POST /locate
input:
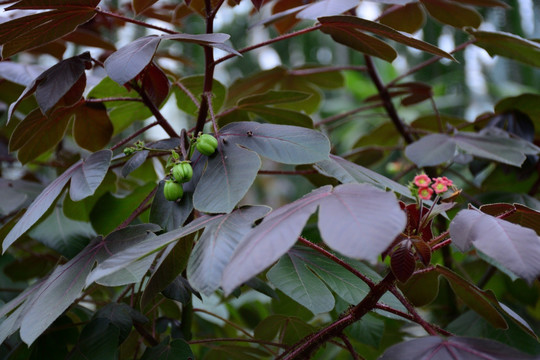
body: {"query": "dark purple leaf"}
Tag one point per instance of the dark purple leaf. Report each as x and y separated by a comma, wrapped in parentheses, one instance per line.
(360, 221)
(515, 247)
(453, 348)
(348, 172)
(56, 294)
(257, 3)
(326, 8)
(132, 253)
(402, 261)
(216, 246)
(86, 179)
(134, 162)
(286, 144)
(228, 176)
(125, 64)
(55, 83)
(382, 30)
(42, 28)
(155, 83)
(266, 243)
(433, 149)
(40, 205)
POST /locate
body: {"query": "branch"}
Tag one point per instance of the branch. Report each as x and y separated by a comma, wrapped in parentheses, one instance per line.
(305, 347)
(133, 136)
(133, 21)
(387, 100)
(209, 69)
(337, 260)
(410, 308)
(348, 113)
(155, 111)
(268, 42)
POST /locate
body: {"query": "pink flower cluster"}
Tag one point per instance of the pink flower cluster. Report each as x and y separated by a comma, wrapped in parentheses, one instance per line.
(425, 192)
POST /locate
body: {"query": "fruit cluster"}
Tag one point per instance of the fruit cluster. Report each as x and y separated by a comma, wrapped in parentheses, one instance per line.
(182, 172)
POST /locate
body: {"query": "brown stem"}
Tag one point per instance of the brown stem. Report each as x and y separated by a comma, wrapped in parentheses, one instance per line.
(133, 21)
(255, 341)
(348, 113)
(410, 317)
(337, 260)
(112, 99)
(209, 69)
(319, 70)
(305, 347)
(410, 308)
(349, 347)
(154, 110)
(133, 136)
(145, 334)
(268, 42)
(139, 210)
(387, 100)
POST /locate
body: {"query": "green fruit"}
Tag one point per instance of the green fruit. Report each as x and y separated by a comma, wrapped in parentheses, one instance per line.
(206, 144)
(182, 172)
(172, 190)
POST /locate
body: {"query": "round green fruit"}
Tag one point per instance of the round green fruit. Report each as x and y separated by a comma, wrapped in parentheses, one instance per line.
(172, 190)
(182, 172)
(206, 144)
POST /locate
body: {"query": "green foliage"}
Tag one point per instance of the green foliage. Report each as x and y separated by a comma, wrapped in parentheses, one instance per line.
(297, 209)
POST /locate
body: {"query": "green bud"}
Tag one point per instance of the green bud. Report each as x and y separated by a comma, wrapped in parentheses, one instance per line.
(206, 144)
(182, 172)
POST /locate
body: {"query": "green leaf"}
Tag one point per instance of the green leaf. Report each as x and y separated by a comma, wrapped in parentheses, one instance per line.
(294, 279)
(281, 116)
(216, 245)
(368, 330)
(452, 13)
(195, 86)
(474, 297)
(89, 175)
(508, 45)
(382, 30)
(421, 289)
(121, 113)
(171, 264)
(273, 97)
(176, 349)
(98, 340)
(289, 329)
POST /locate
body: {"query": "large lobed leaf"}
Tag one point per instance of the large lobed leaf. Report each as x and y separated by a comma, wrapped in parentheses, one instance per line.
(125, 64)
(359, 221)
(493, 144)
(216, 245)
(232, 169)
(515, 247)
(86, 182)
